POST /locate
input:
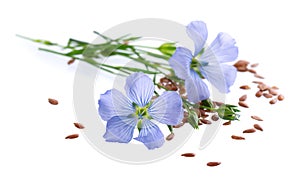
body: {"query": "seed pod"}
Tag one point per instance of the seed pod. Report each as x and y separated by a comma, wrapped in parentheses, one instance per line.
(212, 164)
(280, 97)
(237, 137)
(258, 94)
(246, 87)
(249, 131)
(273, 101)
(205, 121)
(243, 97)
(243, 104)
(267, 95)
(52, 101)
(256, 126)
(227, 123)
(215, 117)
(170, 137)
(79, 126)
(72, 136)
(188, 155)
(259, 76)
(257, 118)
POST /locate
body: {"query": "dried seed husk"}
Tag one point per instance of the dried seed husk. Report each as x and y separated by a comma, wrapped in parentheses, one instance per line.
(258, 127)
(257, 118)
(243, 104)
(212, 164)
(249, 131)
(170, 137)
(78, 125)
(267, 95)
(72, 136)
(280, 97)
(237, 137)
(52, 101)
(245, 87)
(243, 97)
(188, 155)
(227, 123)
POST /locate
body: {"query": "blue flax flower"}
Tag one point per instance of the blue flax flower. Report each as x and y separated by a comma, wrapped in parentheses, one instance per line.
(207, 62)
(123, 114)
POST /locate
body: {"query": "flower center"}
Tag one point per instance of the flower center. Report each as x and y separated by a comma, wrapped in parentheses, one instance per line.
(142, 112)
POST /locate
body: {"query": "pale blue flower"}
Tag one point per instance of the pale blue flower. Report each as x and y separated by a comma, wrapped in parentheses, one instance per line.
(123, 114)
(206, 61)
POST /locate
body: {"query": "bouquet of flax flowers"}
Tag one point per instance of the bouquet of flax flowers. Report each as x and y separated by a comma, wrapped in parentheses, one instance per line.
(172, 91)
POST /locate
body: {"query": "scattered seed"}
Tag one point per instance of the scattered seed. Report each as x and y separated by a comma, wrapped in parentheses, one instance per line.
(72, 136)
(273, 91)
(237, 137)
(263, 87)
(258, 93)
(79, 126)
(252, 71)
(245, 87)
(52, 101)
(243, 97)
(205, 121)
(249, 131)
(267, 95)
(273, 101)
(258, 127)
(212, 164)
(178, 125)
(275, 87)
(188, 155)
(71, 61)
(259, 76)
(243, 104)
(215, 117)
(241, 65)
(170, 137)
(257, 82)
(227, 123)
(254, 65)
(280, 97)
(257, 118)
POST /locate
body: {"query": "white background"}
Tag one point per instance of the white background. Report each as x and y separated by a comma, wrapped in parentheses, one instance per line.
(32, 131)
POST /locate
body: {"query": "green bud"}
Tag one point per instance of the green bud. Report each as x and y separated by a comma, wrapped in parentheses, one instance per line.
(193, 119)
(167, 49)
